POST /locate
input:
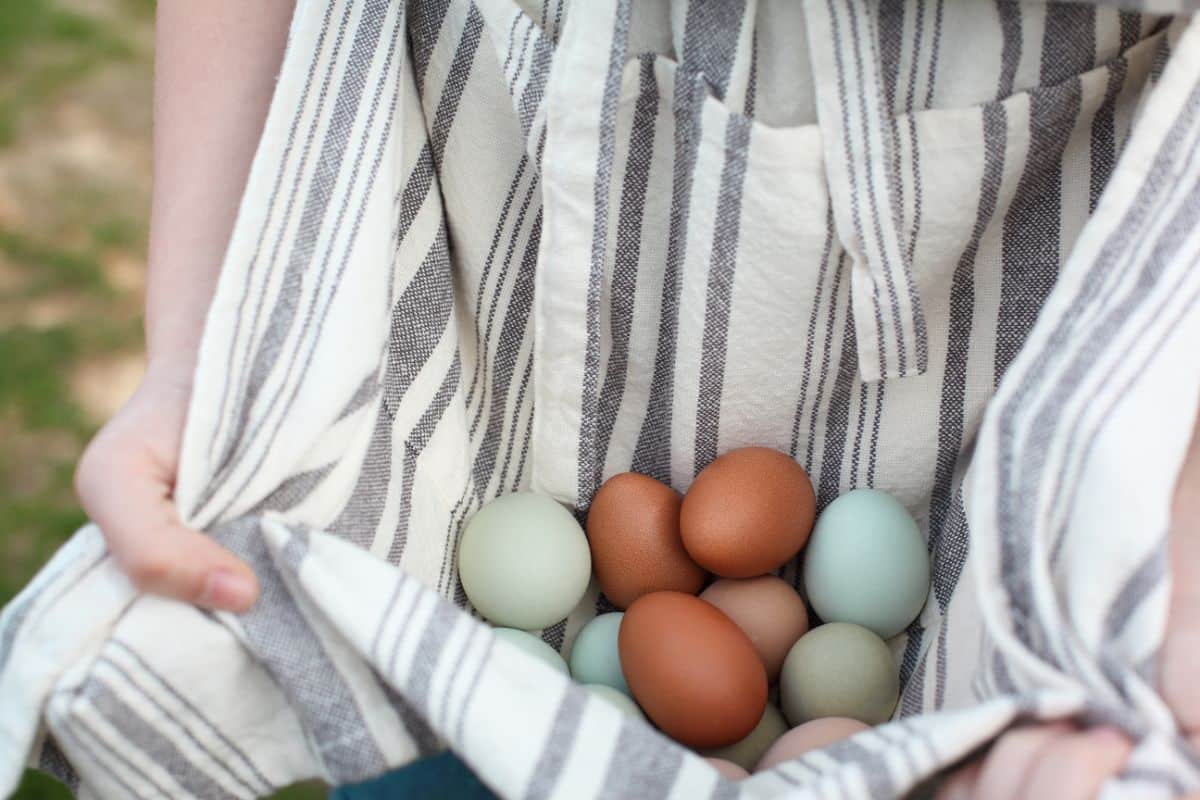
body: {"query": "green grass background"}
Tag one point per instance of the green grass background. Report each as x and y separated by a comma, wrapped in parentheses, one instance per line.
(75, 126)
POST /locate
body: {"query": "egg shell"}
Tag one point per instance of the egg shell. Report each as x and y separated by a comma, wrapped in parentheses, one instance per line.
(767, 609)
(691, 669)
(747, 513)
(807, 737)
(594, 655)
(524, 561)
(622, 701)
(747, 751)
(839, 670)
(633, 532)
(728, 769)
(534, 646)
(867, 563)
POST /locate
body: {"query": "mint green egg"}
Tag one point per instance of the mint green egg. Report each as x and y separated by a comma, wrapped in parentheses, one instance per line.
(594, 656)
(524, 561)
(623, 702)
(534, 646)
(866, 563)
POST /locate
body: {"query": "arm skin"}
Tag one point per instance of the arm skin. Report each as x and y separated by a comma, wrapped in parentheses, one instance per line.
(215, 69)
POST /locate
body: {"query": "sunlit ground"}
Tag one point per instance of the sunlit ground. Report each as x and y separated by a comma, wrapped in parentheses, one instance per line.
(75, 158)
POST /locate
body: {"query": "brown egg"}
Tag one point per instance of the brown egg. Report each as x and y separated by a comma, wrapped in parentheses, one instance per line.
(809, 736)
(728, 769)
(691, 669)
(747, 513)
(633, 530)
(767, 609)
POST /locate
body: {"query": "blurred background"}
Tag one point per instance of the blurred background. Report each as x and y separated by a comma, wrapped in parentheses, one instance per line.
(75, 171)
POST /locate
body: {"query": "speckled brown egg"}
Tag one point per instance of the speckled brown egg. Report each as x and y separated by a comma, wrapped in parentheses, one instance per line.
(633, 531)
(692, 670)
(767, 609)
(747, 513)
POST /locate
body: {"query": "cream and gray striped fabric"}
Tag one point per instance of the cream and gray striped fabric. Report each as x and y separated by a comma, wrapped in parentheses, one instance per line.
(947, 248)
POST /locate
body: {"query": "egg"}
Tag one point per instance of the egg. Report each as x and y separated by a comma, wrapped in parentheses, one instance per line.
(594, 656)
(691, 669)
(747, 751)
(728, 769)
(534, 646)
(623, 702)
(767, 609)
(633, 531)
(867, 563)
(839, 670)
(747, 513)
(810, 736)
(524, 561)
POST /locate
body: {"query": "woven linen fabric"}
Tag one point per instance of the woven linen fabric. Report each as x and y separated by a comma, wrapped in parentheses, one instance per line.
(946, 248)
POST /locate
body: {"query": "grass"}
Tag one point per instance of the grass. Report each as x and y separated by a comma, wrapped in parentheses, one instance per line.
(66, 72)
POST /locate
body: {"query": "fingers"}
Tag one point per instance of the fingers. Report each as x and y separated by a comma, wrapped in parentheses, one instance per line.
(1009, 765)
(128, 496)
(1076, 766)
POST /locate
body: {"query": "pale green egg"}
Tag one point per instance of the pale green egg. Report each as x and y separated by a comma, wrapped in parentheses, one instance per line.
(866, 563)
(534, 646)
(623, 702)
(839, 670)
(594, 656)
(747, 752)
(524, 561)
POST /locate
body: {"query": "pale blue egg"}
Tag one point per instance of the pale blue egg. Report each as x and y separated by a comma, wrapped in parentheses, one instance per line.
(594, 656)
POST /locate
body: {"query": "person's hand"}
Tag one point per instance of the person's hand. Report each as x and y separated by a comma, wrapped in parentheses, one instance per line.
(125, 482)
(1064, 763)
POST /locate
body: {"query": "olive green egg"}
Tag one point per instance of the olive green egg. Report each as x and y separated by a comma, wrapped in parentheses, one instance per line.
(839, 670)
(747, 752)
(594, 656)
(866, 563)
(524, 561)
(534, 646)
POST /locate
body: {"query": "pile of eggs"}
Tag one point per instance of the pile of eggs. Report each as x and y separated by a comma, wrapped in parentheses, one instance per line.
(698, 658)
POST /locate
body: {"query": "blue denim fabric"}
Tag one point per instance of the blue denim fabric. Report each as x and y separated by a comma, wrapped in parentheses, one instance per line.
(440, 776)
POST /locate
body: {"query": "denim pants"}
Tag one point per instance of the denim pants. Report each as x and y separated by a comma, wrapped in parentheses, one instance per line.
(441, 776)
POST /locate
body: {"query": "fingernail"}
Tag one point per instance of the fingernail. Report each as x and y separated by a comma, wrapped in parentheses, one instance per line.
(228, 590)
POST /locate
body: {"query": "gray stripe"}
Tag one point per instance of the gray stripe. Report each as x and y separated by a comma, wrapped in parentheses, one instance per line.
(418, 728)
(518, 409)
(425, 25)
(1010, 50)
(589, 469)
(1068, 42)
(806, 370)
(627, 255)
(53, 762)
(418, 439)
(456, 83)
(871, 765)
(364, 394)
(710, 41)
(1104, 133)
(535, 88)
(197, 715)
(139, 733)
(843, 267)
(85, 744)
(294, 490)
(558, 744)
(652, 454)
(281, 638)
(719, 297)
(643, 764)
(837, 418)
(428, 652)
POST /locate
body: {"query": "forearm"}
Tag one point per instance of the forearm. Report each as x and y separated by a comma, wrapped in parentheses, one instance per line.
(215, 68)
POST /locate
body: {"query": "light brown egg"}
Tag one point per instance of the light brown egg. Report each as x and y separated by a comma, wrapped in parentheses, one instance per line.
(747, 513)
(809, 736)
(691, 669)
(633, 531)
(767, 609)
(728, 769)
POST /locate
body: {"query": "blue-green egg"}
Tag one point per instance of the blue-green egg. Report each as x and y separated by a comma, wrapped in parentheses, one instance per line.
(867, 564)
(594, 656)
